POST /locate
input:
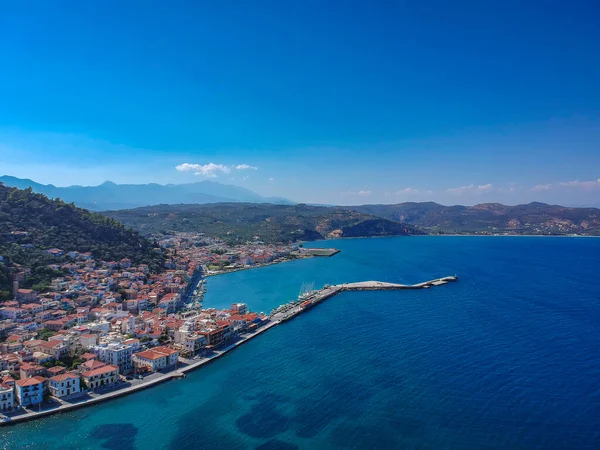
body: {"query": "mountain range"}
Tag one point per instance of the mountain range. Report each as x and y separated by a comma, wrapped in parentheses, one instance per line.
(486, 218)
(491, 218)
(111, 196)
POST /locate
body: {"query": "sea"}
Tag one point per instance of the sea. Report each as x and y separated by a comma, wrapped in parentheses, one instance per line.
(505, 358)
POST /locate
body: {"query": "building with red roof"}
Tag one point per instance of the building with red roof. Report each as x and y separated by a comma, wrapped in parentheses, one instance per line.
(30, 391)
(103, 376)
(64, 385)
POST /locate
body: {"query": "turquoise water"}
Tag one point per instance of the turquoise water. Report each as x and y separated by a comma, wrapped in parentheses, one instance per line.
(505, 358)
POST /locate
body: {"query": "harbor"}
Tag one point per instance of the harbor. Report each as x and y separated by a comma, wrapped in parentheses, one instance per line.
(310, 298)
(283, 313)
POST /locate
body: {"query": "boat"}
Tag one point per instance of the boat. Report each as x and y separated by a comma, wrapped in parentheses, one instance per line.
(306, 290)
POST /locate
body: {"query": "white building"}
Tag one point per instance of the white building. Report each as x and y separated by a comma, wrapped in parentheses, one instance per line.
(7, 397)
(116, 354)
(103, 376)
(193, 343)
(64, 385)
(31, 390)
(156, 359)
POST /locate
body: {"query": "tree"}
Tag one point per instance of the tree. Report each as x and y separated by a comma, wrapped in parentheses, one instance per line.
(45, 334)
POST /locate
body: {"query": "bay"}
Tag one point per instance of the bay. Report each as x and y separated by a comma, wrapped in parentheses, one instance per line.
(507, 357)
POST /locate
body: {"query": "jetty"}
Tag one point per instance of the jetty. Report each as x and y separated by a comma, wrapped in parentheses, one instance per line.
(309, 299)
(383, 286)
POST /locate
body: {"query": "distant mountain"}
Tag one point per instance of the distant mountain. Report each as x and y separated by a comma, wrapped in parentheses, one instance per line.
(241, 222)
(111, 196)
(489, 218)
(31, 223)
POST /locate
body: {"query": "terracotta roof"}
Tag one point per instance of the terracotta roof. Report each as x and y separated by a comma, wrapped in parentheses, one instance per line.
(51, 344)
(151, 355)
(64, 377)
(31, 381)
(28, 365)
(100, 371)
(93, 364)
(165, 350)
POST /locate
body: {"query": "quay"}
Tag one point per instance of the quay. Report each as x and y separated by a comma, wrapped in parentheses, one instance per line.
(279, 315)
(286, 312)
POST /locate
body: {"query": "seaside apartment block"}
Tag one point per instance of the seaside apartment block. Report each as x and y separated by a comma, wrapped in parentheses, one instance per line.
(102, 376)
(117, 354)
(7, 397)
(31, 391)
(155, 359)
(64, 385)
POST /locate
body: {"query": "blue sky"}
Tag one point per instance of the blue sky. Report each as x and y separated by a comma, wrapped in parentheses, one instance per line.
(328, 102)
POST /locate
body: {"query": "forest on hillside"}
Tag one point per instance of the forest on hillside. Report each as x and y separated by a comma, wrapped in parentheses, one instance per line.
(31, 223)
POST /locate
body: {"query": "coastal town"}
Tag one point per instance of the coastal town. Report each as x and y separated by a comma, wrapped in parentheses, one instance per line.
(106, 327)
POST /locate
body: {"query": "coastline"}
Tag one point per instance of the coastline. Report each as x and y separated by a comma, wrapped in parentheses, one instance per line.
(295, 308)
(273, 263)
(256, 266)
(171, 375)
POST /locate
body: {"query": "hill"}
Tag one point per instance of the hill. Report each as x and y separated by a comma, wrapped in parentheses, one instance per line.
(533, 218)
(241, 222)
(31, 223)
(113, 196)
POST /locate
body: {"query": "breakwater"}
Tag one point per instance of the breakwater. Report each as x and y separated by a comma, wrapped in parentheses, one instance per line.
(286, 312)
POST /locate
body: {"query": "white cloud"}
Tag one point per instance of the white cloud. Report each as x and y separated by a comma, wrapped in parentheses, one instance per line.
(541, 188)
(582, 185)
(412, 191)
(587, 185)
(245, 167)
(470, 189)
(461, 190)
(407, 191)
(512, 187)
(271, 179)
(361, 193)
(206, 170)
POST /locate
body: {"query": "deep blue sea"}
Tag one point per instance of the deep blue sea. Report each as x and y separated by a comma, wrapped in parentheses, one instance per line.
(508, 357)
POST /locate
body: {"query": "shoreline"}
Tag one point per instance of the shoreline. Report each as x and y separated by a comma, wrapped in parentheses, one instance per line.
(168, 376)
(274, 320)
(257, 266)
(579, 236)
(273, 263)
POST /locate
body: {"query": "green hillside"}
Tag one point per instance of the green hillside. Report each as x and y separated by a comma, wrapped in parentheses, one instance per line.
(241, 222)
(31, 223)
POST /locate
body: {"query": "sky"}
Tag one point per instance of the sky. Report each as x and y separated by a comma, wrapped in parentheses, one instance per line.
(335, 102)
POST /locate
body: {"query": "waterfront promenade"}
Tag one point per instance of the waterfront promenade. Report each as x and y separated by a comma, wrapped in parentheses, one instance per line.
(282, 314)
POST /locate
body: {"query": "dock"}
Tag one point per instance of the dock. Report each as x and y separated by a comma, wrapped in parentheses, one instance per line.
(292, 309)
(383, 286)
(321, 251)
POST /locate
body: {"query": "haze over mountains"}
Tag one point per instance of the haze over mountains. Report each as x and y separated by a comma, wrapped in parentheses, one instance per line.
(487, 218)
(111, 196)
